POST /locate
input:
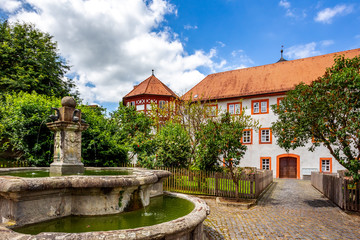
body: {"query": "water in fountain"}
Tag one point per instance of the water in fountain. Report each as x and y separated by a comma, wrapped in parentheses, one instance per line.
(163, 208)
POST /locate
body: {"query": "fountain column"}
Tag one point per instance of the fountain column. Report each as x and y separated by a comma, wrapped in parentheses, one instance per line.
(67, 126)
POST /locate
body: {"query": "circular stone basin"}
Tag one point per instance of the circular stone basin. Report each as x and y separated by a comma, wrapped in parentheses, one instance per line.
(161, 209)
(25, 201)
(186, 227)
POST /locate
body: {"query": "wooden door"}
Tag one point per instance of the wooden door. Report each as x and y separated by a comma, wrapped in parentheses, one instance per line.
(288, 167)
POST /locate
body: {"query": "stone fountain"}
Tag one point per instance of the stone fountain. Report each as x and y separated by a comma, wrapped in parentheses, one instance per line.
(67, 126)
(66, 192)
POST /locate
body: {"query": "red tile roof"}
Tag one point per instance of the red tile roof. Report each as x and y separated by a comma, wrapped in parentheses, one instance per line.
(151, 86)
(272, 78)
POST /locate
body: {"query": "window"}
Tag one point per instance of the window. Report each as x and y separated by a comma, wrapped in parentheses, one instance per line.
(131, 103)
(247, 136)
(265, 136)
(325, 165)
(148, 107)
(234, 108)
(265, 163)
(212, 110)
(140, 107)
(255, 107)
(162, 104)
(260, 106)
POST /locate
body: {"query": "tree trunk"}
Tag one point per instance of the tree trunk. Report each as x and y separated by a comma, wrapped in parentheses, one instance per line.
(235, 181)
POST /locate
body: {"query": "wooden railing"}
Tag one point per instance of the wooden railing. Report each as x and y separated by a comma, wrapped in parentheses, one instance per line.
(12, 163)
(341, 191)
(216, 184)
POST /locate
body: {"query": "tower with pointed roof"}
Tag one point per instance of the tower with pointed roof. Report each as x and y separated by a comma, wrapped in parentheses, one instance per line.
(151, 90)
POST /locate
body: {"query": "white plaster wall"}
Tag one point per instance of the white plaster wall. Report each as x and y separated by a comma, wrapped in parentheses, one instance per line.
(255, 151)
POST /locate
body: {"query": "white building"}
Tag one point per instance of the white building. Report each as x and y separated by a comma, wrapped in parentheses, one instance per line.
(256, 89)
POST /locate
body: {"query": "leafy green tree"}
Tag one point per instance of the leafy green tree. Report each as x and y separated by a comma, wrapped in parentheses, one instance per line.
(207, 151)
(23, 118)
(220, 141)
(30, 61)
(190, 114)
(136, 133)
(102, 143)
(173, 146)
(327, 112)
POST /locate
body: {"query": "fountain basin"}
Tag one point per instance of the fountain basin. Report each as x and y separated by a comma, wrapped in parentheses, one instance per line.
(30, 200)
(186, 227)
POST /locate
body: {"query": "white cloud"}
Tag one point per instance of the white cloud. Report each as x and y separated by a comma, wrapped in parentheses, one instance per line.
(327, 43)
(302, 51)
(9, 5)
(112, 45)
(292, 12)
(221, 43)
(284, 4)
(188, 27)
(242, 58)
(326, 15)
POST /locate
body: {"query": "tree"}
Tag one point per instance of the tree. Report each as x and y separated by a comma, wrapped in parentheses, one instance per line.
(102, 143)
(220, 141)
(172, 146)
(326, 112)
(190, 114)
(135, 129)
(30, 62)
(23, 118)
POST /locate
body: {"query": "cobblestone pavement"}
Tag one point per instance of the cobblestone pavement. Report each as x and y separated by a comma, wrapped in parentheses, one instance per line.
(290, 209)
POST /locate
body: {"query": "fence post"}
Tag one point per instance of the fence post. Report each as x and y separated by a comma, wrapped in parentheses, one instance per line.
(257, 183)
(216, 185)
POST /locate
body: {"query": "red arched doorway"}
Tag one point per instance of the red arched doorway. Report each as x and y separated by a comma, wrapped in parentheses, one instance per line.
(288, 166)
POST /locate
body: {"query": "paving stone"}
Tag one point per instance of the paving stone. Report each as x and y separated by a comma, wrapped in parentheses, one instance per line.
(290, 209)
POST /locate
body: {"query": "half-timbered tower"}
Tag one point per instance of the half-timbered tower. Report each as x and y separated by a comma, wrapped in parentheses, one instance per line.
(151, 90)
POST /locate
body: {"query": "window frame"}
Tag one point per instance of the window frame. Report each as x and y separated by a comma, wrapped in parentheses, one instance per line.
(278, 100)
(216, 110)
(259, 102)
(330, 164)
(234, 103)
(262, 165)
(270, 136)
(251, 137)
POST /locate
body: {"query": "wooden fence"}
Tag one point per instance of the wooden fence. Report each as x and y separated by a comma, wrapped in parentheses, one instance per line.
(12, 163)
(216, 184)
(341, 191)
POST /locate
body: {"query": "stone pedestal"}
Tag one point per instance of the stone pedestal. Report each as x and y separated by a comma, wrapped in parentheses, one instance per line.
(67, 140)
(67, 148)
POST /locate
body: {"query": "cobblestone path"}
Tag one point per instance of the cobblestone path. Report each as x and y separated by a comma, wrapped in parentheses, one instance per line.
(290, 209)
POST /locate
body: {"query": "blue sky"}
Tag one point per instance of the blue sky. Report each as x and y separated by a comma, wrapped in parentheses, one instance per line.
(113, 44)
